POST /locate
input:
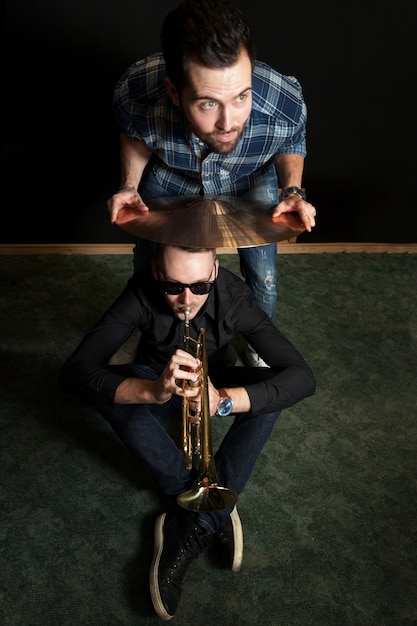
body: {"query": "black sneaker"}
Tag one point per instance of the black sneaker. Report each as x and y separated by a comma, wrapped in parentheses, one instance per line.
(178, 541)
(230, 541)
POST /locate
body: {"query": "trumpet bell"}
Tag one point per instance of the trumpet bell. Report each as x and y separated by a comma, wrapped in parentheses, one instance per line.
(207, 498)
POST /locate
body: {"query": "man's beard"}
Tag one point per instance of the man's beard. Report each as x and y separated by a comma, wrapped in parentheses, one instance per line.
(221, 147)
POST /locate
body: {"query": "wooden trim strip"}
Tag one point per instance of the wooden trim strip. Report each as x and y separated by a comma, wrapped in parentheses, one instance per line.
(284, 248)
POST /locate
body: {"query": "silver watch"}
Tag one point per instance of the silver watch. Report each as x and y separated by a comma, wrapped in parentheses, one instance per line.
(225, 406)
(293, 190)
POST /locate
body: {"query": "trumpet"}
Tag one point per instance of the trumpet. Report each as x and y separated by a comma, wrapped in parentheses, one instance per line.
(206, 494)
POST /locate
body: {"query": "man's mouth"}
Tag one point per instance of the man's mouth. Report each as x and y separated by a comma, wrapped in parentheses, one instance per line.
(226, 137)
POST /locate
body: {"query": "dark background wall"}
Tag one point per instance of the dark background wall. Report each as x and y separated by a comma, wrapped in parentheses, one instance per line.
(356, 62)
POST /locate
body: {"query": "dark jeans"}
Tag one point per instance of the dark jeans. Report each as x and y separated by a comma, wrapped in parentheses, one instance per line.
(140, 427)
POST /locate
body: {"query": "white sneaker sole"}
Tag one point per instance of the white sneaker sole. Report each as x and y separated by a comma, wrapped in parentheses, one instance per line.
(238, 540)
(153, 573)
(127, 352)
(253, 359)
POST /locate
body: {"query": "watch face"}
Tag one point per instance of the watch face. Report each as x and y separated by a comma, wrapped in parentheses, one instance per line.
(225, 407)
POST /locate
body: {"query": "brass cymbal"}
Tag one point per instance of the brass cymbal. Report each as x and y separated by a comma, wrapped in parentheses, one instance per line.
(212, 222)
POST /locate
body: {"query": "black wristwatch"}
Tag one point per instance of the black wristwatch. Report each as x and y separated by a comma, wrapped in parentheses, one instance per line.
(293, 190)
(225, 406)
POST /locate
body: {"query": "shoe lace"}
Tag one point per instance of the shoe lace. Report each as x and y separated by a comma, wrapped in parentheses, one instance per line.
(225, 533)
(195, 543)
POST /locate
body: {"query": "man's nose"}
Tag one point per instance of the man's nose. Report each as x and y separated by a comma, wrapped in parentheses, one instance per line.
(186, 295)
(224, 121)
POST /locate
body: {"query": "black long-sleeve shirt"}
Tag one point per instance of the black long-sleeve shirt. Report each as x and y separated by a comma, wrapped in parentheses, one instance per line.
(229, 311)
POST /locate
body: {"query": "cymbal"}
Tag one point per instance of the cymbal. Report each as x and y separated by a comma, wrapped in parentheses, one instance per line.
(208, 222)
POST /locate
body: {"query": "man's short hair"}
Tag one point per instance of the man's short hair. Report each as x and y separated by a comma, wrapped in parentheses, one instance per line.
(209, 32)
(161, 247)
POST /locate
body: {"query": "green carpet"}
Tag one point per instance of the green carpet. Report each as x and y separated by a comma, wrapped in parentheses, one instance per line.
(329, 515)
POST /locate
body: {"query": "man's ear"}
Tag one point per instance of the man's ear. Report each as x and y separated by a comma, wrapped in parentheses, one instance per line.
(172, 91)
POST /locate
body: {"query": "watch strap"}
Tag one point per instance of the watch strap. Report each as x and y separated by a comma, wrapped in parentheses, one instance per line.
(293, 190)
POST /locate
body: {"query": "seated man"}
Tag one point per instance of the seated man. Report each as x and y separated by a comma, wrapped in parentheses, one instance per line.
(138, 398)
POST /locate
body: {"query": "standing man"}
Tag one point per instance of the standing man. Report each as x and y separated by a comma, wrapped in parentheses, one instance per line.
(142, 400)
(205, 117)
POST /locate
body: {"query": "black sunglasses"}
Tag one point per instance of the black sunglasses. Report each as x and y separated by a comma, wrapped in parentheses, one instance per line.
(171, 288)
(174, 289)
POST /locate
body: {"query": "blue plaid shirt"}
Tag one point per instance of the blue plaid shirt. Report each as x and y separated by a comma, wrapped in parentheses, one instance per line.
(181, 162)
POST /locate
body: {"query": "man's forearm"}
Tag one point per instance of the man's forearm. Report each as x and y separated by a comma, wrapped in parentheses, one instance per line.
(290, 169)
(134, 157)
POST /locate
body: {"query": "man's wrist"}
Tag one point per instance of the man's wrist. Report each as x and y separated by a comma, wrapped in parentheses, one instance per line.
(225, 404)
(296, 191)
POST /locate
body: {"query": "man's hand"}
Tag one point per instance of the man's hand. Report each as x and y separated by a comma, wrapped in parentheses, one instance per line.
(181, 367)
(195, 403)
(130, 201)
(294, 203)
(181, 377)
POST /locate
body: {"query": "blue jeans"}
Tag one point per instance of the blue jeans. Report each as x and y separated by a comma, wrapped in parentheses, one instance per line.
(257, 263)
(141, 428)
